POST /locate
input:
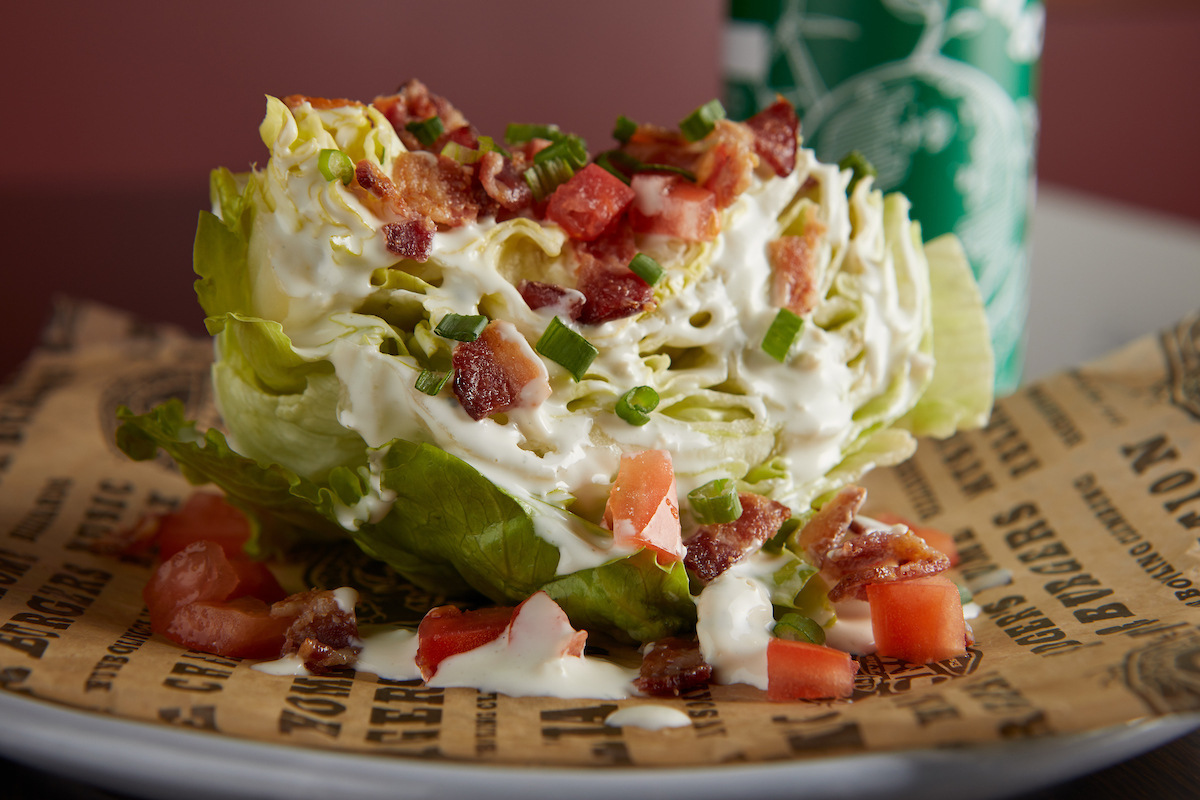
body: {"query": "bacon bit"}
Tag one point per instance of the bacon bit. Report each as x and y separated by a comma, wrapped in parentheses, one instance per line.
(320, 631)
(715, 548)
(612, 292)
(727, 167)
(587, 204)
(794, 261)
(319, 103)
(498, 372)
(466, 136)
(438, 188)
(840, 546)
(414, 101)
(565, 302)
(775, 130)
(410, 239)
(504, 181)
(671, 667)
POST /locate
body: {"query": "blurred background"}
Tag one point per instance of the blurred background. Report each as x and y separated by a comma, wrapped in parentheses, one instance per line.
(118, 111)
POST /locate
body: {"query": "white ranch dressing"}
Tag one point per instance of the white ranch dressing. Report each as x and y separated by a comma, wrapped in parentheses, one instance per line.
(389, 653)
(735, 624)
(650, 716)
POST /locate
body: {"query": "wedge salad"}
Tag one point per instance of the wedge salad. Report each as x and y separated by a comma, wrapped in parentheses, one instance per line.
(626, 395)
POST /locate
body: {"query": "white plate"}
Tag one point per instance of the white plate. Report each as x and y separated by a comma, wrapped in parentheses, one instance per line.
(156, 761)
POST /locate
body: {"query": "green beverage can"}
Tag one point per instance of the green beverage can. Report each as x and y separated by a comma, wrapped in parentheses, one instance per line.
(939, 95)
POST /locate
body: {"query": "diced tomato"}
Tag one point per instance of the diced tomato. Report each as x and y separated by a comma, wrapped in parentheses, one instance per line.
(447, 630)
(671, 205)
(805, 671)
(204, 516)
(255, 580)
(643, 507)
(243, 628)
(200, 572)
(918, 620)
(938, 540)
(588, 203)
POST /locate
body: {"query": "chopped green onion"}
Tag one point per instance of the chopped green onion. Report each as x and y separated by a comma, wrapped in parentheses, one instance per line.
(635, 405)
(463, 155)
(431, 382)
(781, 335)
(487, 143)
(716, 502)
(427, 131)
(856, 161)
(698, 124)
(964, 594)
(519, 133)
(570, 148)
(604, 161)
(797, 628)
(687, 173)
(567, 348)
(624, 129)
(335, 165)
(544, 178)
(461, 328)
(776, 543)
(646, 268)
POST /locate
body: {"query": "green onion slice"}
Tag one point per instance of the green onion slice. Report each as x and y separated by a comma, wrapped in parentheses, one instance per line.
(624, 129)
(487, 143)
(463, 155)
(782, 334)
(621, 164)
(776, 543)
(856, 161)
(604, 161)
(544, 178)
(570, 149)
(797, 628)
(686, 173)
(698, 124)
(519, 133)
(427, 131)
(716, 502)
(646, 268)
(335, 165)
(964, 594)
(431, 382)
(635, 405)
(461, 328)
(567, 348)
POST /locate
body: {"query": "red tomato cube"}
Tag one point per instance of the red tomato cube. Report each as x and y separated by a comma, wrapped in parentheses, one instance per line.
(919, 620)
(806, 671)
(586, 204)
(447, 631)
(255, 580)
(938, 540)
(243, 628)
(643, 507)
(674, 206)
(204, 516)
(198, 573)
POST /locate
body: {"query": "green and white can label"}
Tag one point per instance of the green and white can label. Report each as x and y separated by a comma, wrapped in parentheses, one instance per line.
(939, 95)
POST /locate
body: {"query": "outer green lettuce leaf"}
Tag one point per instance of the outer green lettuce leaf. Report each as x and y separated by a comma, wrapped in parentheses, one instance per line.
(222, 242)
(960, 395)
(632, 594)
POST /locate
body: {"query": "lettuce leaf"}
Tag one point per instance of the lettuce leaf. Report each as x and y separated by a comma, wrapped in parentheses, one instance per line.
(450, 530)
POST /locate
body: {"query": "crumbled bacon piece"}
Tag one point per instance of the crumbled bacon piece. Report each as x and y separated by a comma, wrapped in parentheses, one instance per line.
(320, 632)
(671, 667)
(504, 181)
(414, 102)
(794, 263)
(498, 372)
(412, 238)
(857, 557)
(775, 131)
(319, 103)
(715, 548)
(727, 167)
(612, 291)
(436, 188)
(565, 302)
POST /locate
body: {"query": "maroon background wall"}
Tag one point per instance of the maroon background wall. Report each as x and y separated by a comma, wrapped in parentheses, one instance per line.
(114, 115)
